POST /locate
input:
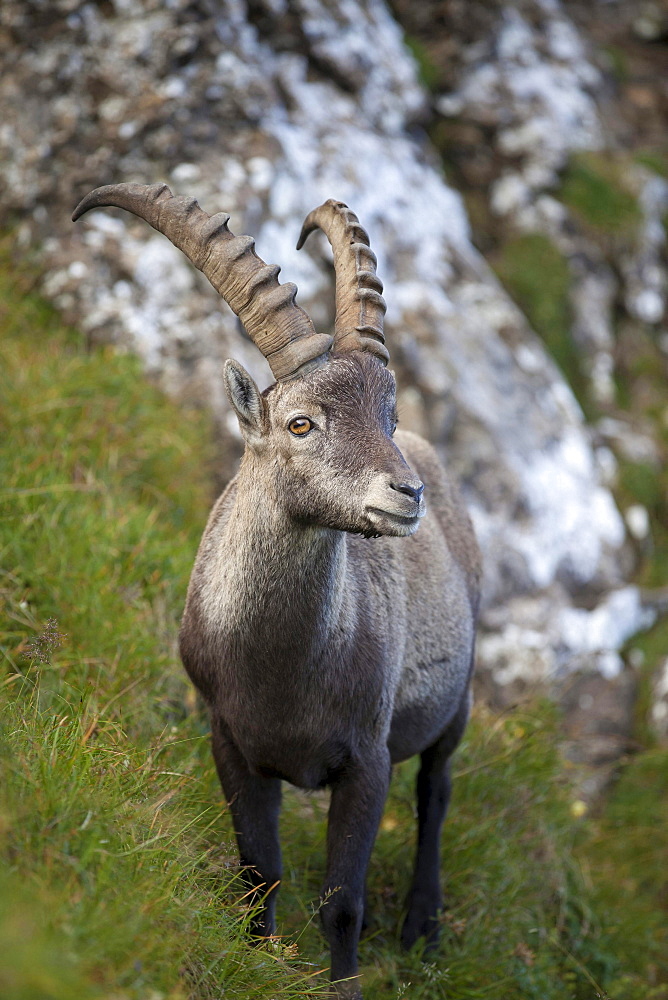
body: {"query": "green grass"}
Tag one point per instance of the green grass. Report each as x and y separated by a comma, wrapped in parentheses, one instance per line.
(528, 916)
(618, 63)
(627, 854)
(595, 186)
(536, 275)
(655, 160)
(117, 873)
(641, 373)
(428, 71)
(643, 483)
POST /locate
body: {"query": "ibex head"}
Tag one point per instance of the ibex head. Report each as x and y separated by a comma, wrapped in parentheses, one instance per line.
(324, 430)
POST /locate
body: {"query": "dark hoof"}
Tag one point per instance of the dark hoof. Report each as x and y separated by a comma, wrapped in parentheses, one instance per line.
(422, 922)
(346, 990)
(427, 931)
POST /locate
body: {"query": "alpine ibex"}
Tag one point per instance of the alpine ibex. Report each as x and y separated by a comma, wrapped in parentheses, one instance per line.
(323, 657)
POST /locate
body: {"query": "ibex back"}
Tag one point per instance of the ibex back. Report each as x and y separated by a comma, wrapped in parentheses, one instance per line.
(324, 657)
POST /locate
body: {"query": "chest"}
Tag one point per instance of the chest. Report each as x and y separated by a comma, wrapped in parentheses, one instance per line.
(303, 724)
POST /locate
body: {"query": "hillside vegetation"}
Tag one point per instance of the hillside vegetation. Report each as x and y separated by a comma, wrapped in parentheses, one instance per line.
(117, 865)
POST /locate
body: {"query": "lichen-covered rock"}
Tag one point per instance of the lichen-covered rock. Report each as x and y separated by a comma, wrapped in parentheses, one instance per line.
(659, 710)
(598, 718)
(268, 109)
(532, 84)
(530, 79)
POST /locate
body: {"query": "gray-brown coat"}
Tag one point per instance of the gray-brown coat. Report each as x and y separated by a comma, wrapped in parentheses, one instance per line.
(329, 636)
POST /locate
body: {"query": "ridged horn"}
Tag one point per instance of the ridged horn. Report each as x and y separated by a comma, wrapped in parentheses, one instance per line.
(360, 306)
(274, 322)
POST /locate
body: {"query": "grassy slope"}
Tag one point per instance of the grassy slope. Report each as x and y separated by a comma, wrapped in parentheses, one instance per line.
(115, 875)
(109, 808)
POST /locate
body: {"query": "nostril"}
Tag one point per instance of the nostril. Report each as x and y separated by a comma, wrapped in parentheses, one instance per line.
(415, 492)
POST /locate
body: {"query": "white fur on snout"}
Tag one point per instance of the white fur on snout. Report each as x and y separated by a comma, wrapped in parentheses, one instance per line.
(390, 511)
(381, 496)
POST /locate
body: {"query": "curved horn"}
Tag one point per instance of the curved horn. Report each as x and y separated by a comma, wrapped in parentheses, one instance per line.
(360, 306)
(274, 322)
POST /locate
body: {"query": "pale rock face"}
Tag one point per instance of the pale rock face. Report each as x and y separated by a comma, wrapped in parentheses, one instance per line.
(659, 709)
(530, 640)
(645, 278)
(331, 116)
(536, 84)
(533, 84)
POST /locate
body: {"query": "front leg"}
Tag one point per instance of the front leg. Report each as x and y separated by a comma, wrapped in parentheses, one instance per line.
(254, 803)
(358, 797)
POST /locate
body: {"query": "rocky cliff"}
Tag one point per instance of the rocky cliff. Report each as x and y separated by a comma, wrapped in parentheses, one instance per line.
(488, 131)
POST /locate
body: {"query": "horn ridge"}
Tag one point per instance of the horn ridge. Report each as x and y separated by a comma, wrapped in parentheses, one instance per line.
(275, 323)
(360, 306)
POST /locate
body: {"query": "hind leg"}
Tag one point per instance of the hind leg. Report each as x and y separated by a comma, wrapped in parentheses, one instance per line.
(433, 795)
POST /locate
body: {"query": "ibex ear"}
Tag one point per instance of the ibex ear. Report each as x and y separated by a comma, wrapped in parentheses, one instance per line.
(246, 400)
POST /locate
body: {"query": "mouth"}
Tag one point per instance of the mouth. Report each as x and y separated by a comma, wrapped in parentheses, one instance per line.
(392, 522)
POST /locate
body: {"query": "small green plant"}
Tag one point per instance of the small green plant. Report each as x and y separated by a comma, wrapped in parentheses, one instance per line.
(427, 69)
(618, 62)
(43, 646)
(596, 187)
(536, 275)
(655, 160)
(628, 854)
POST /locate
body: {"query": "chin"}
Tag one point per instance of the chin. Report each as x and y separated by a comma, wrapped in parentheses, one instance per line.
(385, 522)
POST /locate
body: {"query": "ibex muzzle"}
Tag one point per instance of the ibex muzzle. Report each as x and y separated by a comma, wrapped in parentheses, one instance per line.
(323, 657)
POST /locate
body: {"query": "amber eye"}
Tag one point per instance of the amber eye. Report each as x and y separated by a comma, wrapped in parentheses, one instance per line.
(300, 425)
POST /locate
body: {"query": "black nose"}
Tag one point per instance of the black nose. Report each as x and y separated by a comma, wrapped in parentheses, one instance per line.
(415, 492)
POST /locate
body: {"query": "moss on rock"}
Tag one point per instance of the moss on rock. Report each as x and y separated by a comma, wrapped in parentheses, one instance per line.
(537, 276)
(597, 188)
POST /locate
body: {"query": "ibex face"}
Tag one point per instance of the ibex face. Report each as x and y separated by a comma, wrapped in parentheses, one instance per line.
(322, 444)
